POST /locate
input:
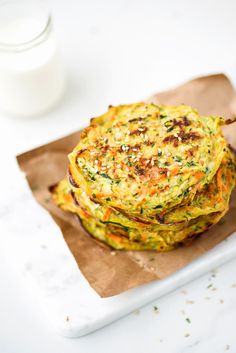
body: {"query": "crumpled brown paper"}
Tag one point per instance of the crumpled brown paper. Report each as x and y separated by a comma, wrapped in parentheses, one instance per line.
(111, 274)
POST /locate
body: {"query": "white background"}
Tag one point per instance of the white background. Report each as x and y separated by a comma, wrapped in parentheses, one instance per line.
(117, 52)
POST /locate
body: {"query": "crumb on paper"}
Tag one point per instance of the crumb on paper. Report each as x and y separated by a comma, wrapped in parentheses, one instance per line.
(187, 334)
(34, 188)
(136, 312)
(182, 312)
(43, 246)
(233, 285)
(188, 320)
(67, 318)
(227, 347)
(207, 298)
(221, 301)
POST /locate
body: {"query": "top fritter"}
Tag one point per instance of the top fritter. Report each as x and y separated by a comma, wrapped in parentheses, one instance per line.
(145, 158)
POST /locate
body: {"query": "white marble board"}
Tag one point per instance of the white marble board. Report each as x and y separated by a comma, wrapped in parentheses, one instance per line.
(37, 250)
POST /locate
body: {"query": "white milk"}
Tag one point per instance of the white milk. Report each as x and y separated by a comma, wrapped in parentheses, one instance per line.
(32, 80)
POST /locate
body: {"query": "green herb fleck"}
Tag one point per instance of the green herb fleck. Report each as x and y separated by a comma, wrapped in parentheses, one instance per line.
(167, 124)
(129, 163)
(105, 176)
(191, 164)
(188, 320)
(177, 159)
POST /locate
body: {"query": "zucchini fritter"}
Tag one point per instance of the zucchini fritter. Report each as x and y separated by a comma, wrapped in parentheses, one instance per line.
(145, 158)
(149, 177)
(123, 237)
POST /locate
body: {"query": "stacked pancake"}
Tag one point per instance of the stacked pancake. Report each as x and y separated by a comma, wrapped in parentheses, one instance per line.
(149, 177)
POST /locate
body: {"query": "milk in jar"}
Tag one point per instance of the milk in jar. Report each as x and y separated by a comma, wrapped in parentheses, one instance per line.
(32, 78)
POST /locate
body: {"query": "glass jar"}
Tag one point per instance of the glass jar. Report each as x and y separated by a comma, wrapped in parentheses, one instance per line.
(32, 78)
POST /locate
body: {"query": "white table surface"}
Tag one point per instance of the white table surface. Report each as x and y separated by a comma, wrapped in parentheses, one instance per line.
(117, 52)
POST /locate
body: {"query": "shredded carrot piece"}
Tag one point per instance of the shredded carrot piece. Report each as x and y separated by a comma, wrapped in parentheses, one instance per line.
(101, 194)
(107, 214)
(199, 175)
(219, 177)
(68, 198)
(175, 171)
(114, 237)
(154, 191)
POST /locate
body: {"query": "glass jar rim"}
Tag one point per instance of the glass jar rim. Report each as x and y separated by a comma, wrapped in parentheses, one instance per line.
(36, 40)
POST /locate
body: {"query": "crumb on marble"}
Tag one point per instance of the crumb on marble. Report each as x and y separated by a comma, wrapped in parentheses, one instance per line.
(189, 301)
(156, 309)
(209, 285)
(184, 292)
(214, 272)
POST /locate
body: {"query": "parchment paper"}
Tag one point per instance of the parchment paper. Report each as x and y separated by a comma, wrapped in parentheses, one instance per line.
(112, 272)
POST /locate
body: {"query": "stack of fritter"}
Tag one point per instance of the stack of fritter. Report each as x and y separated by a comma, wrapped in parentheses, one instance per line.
(149, 177)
